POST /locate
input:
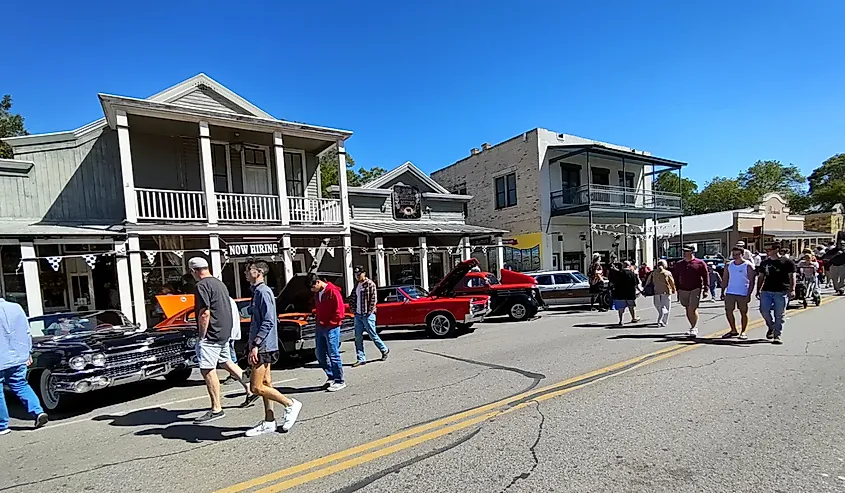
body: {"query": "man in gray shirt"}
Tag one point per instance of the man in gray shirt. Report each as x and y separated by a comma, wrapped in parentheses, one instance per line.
(214, 321)
(264, 351)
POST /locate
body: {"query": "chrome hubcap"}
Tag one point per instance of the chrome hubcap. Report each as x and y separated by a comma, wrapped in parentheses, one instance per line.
(48, 390)
(440, 325)
(518, 311)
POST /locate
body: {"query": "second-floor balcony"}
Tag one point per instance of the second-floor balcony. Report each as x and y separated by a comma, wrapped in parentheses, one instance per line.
(615, 199)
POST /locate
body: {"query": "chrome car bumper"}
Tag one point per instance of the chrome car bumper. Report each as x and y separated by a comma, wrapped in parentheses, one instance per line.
(85, 381)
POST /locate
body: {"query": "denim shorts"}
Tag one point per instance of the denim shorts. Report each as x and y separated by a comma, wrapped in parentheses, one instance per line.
(211, 354)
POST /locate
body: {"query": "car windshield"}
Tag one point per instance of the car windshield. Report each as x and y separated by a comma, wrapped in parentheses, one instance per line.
(415, 292)
(61, 324)
(578, 276)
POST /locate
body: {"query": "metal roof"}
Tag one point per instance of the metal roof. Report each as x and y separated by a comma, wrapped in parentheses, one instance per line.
(420, 227)
(601, 150)
(22, 228)
(792, 234)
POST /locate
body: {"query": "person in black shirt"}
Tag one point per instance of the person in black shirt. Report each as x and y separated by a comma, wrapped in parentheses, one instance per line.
(775, 286)
(625, 284)
(834, 264)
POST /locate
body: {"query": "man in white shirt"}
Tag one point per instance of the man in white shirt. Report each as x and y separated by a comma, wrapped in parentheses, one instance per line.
(738, 285)
(235, 372)
(746, 253)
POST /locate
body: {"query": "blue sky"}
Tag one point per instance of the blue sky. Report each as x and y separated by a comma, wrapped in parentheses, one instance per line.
(718, 84)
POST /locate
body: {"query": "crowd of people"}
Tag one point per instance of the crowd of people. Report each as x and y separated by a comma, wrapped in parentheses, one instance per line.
(774, 278)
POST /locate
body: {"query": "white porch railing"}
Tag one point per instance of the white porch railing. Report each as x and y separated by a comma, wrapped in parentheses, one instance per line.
(314, 210)
(247, 208)
(170, 205)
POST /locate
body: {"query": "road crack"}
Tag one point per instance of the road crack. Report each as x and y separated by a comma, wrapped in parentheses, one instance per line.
(721, 358)
(533, 450)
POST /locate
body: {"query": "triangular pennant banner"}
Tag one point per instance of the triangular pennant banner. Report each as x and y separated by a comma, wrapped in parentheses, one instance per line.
(312, 251)
(179, 253)
(410, 250)
(204, 251)
(151, 256)
(18, 268)
(120, 249)
(395, 251)
(146, 275)
(55, 262)
(90, 259)
(292, 251)
(330, 251)
(273, 258)
(484, 249)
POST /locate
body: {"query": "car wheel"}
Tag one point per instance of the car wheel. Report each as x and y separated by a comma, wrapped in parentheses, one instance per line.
(179, 376)
(441, 325)
(45, 385)
(519, 311)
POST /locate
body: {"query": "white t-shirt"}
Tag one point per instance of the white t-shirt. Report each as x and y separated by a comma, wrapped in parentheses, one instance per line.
(358, 292)
(236, 321)
(747, 255)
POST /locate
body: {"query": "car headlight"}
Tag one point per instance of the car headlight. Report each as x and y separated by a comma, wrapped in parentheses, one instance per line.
(98, 359)
(77, 363)
(191, 342)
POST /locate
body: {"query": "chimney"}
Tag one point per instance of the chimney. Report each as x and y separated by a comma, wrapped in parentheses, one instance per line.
(485, 146)
(474, 151)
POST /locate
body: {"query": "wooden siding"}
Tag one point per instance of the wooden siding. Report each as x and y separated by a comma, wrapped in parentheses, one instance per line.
(78, 182)
(312, 173)
(205, 99)
(368, 208)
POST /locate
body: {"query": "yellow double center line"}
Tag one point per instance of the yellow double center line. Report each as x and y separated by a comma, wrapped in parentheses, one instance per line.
(367, 452)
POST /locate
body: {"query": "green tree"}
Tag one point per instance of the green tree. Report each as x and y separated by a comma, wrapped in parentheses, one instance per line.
(763, 177)
(827, 183)
(355, 178)
(11, 125)
(724, 194)
(688, 189)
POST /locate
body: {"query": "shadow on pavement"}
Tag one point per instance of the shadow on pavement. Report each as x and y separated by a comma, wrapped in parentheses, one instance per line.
(194, 433)
(154, 416)
(680, 337)
(638, 325)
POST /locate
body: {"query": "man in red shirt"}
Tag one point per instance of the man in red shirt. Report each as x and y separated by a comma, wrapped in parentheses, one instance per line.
(330, 312)
(693, 282)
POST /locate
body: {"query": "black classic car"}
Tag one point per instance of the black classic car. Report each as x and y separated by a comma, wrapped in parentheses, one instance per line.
(79, 352)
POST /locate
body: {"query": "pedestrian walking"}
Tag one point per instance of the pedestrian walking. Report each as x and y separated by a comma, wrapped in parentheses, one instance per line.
(693, 283)
(15, 357)
(738, 286)
(330, 313)
(626, 285)
(715, 280)
(746, 253)
(664, 287)
(644, 272)
(214, 324)
(264, 352)
(775, 285)
(236, 373)
(363, 301)
(834, 261)
(808, 268)
(595, 276)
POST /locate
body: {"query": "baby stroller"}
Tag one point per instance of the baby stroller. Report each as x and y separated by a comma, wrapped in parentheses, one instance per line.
(806, 288)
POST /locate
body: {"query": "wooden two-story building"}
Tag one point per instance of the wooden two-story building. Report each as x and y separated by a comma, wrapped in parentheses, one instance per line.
(107, 215)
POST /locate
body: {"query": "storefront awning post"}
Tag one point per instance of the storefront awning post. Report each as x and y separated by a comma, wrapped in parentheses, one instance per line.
(423, 262)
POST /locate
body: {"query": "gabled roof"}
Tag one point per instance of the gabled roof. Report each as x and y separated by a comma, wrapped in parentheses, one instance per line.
(200, 80)
(408, 167)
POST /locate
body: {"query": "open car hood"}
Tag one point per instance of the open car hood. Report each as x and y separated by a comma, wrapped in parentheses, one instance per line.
(172, 304)
(513, 277)
(453, 277)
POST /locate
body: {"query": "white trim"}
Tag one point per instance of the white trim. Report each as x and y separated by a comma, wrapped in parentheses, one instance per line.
(407, 167)
(362, 191)
(228, 162)
(187, 86)
(73, 241)
(266, 150)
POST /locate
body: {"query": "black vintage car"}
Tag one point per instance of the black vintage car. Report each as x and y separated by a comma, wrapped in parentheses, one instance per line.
(79, 352)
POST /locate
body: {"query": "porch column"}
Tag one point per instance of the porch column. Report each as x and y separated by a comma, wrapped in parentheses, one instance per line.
(447, 262)
(288, 258)
(207, 173)
(344, 187)
(467, 248)
(216, 261)
(380, 264)
(129, 201)
(500, 255)
(423, 262)
(348, 277)
(31, 280)
(137, 276)
(281, 179)
(124, 286)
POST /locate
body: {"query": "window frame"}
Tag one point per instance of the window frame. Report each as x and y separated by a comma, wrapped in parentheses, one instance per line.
(288, 180)
(503, 195)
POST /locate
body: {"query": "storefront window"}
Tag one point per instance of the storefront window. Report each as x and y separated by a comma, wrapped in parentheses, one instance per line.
(404, 269)
(53, 282)
(523, 260)
(12, 286)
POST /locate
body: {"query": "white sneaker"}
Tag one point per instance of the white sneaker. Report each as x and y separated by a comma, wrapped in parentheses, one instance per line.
(291, 413)
(693, 332)
(263, 428)
(5, 431)
(328, 383)
(336, 386)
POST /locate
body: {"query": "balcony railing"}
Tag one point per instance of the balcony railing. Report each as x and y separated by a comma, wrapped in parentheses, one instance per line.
(247, 208)
(314, 210)
(170, 205)
(614, 197)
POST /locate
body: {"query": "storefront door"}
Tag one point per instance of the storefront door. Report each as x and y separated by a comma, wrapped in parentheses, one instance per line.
(81, 285)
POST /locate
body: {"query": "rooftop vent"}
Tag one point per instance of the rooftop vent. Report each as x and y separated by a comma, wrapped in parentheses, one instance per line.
(485, 146)
(474, 151)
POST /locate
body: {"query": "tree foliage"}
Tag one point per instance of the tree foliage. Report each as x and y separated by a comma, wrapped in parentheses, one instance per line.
(827, 183)
(688, 189)
(724, 194)
(11, 125)
(355, 178)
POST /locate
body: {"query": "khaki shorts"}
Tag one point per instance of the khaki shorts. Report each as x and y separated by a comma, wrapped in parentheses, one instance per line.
(690, 299)
(734, 301)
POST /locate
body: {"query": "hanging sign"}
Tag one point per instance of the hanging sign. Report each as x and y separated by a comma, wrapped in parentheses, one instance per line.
(252, 249)
(407, 202)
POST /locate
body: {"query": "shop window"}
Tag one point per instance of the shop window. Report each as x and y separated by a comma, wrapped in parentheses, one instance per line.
(12, 286)
(523, 260)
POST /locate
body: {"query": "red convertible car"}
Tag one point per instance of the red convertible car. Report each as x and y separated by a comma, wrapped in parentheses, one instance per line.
(515, 294)
(438, 311)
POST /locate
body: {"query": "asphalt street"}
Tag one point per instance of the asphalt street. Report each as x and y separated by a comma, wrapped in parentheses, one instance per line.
(564, 403)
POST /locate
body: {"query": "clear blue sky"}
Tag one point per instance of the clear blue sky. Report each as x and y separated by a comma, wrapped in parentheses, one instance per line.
(718, 84)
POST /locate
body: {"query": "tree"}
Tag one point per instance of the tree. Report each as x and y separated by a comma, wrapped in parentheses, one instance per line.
(11, 125)
(724, 194)
(328, 172)
(688, 189)
(763, 177)
(827, 183)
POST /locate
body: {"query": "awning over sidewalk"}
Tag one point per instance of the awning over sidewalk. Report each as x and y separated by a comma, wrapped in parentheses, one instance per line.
(24, 228)
(792, 235)
(421, 228)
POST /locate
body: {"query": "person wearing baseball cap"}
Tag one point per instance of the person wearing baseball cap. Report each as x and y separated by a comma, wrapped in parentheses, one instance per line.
(746, 253)
(693, 283)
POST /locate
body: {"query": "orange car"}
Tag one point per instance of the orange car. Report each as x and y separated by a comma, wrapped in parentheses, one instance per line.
(295, 304)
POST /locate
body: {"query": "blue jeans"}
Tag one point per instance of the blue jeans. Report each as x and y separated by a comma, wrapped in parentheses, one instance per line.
(366, 323)
(15, 378)
(771, 301)
(328, 352)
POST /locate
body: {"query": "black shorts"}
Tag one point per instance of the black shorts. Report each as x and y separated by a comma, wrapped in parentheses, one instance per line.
(268, 358)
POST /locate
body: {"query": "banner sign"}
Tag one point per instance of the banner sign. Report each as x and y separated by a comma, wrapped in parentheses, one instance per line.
(407, 202)
(252, 249)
